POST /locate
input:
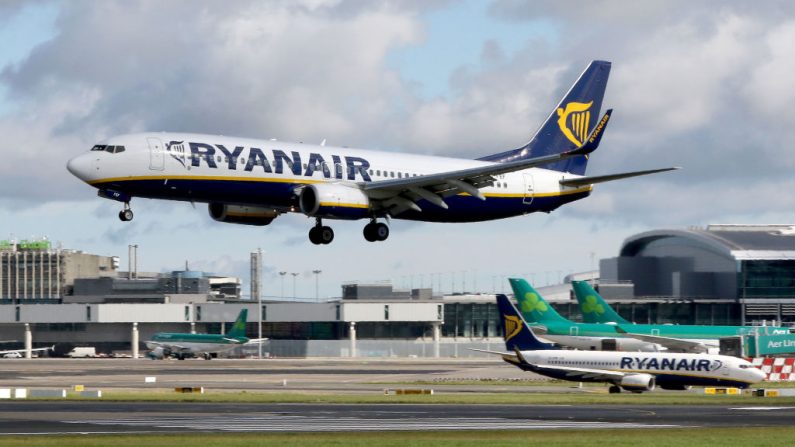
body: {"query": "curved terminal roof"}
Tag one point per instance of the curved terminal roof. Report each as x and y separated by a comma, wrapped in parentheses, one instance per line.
(740, 242)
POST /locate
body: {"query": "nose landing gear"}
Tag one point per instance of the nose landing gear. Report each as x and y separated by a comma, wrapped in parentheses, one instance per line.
(320, 234)
(376, 231)
(126, 214)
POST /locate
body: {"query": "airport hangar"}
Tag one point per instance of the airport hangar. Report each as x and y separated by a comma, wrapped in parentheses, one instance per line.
(722, 274)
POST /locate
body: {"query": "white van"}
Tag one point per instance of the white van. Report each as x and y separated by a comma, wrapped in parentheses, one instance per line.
(82, 352)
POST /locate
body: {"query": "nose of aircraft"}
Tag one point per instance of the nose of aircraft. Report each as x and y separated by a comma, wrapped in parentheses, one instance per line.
(79, 166)
(759, 375)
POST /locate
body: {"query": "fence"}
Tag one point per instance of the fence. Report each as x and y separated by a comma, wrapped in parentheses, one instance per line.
(372, 348)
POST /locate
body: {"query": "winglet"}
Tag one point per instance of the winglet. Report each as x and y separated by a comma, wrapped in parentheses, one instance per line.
(592, 142)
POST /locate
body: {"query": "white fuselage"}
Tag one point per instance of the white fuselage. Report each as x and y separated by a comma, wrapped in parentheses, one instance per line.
(266, 173)
(670, 368)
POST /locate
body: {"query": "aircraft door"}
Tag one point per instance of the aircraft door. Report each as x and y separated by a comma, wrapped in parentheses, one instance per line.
(574, 330)
(528, 189)
(157, 155)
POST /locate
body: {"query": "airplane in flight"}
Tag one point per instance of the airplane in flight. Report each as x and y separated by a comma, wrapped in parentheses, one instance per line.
(679, 337)
(183, 345)
(252, 182)
(636, 372)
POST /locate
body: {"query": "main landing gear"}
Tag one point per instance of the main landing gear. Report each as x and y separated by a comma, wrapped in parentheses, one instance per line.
(320, 234)
(126, 214)
(323, 235)
(376, 231)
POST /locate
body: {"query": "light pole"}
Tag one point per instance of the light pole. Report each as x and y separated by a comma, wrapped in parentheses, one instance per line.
(282, 275)
(294, 275)
(259, 301)
(317, 284)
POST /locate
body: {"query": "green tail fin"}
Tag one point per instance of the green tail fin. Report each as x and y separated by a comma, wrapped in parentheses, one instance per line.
(239, 327)
(594, 308)
(533, 307)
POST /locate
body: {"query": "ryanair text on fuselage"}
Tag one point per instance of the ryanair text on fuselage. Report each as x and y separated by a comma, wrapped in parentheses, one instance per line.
(669, 364)
(214, 155)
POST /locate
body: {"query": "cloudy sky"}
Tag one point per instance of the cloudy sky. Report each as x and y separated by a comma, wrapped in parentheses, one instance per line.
(703, 85)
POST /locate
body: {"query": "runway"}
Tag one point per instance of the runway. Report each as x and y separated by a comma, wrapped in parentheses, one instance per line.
(145, 417)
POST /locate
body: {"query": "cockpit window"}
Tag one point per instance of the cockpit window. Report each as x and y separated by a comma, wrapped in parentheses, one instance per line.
(110, 149)
(98, 147)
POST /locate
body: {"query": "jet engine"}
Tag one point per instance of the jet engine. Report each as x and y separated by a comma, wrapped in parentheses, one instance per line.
(334, 200)
(244, 215)
(157, 354)
(637, 382)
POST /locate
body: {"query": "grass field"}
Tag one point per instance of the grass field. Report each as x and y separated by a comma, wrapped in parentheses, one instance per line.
(692, 437)
(597, 396)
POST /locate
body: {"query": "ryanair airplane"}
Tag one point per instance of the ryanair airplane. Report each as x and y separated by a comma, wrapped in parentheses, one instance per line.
(251, 182)
(637, 372)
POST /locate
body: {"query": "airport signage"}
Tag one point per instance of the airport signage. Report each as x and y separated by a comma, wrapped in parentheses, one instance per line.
(771, 344)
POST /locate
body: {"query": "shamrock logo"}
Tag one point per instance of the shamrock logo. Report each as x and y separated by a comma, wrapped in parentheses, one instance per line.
(533, 303)
(591, 306)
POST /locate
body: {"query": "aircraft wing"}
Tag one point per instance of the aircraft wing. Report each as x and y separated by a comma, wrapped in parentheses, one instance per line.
(400, 195)
(585, 181)
(23, 350)
(255, 340)
(670, 343)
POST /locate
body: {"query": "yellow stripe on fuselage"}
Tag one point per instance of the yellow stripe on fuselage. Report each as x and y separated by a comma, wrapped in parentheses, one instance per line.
(209, 177)
(343, 205)
(315, 181)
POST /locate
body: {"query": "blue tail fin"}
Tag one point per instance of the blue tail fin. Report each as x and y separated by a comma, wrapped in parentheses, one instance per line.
(515, 331)
(568, 125)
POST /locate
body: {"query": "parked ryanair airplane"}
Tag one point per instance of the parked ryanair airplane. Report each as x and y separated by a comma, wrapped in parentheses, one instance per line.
(252, 182)
(637, 371)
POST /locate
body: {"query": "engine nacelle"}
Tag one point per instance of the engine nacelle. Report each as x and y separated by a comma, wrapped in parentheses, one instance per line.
(157, 354)
(334, 200)
(244, 215)
(637, 382)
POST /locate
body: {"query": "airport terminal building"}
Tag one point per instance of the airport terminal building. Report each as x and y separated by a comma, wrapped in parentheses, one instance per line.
(721, 274)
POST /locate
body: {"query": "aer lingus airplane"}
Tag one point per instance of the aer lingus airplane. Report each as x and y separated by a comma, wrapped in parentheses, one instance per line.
(183, 345)
(635, 372)
(678, 337)
(248, 181)
(549, 324)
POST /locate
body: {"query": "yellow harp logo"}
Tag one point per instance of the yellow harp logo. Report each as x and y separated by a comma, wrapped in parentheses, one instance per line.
(573, 121)
(512, 326)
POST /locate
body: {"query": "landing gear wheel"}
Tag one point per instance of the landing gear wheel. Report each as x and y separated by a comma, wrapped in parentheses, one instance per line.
(320, 234)
(126, 215)
(208, 356)
(369, 232)
(614, 389)
(326, 235)
(381, 231)
(314, 235)
(375, 231)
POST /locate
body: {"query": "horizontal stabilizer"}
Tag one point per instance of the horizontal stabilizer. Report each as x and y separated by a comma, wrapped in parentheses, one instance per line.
(670, 343)
(583, 181)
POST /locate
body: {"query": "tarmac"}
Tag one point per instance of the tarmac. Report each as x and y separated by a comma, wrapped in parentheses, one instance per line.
(28, 417)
